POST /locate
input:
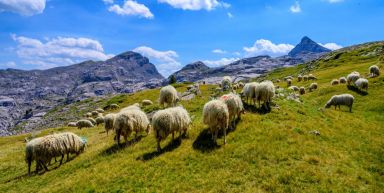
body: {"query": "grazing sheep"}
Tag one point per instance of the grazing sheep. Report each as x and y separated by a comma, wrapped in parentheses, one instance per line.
(168, 96)
(343, 99)
(249, 91)
(94, 113)
(135, 106)
(352, 77)
(171, 120)
(278, 80)
(216, 116)
(88, 115)
(235, 87)
(226, 83)
(108, 121)
(83, 123)
(30, 155)
(294, 88)
(289, 82)
(71, 124)
(235, 107)
(334, 82)
(146, 102)
(288, 77)
(342, 80)
(99, 120)
(362, 83)
(99, 110)
(302, 90)
(311, 77)
(299, 78)
(93, 121)
(374, 71)
(264, 92)
(312, 87)
(114, 106)
(305, 77)
(128, 121)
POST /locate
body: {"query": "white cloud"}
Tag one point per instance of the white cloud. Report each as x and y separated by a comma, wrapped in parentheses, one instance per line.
(59, 51)
(219, 51)
(23, 7)
(220, 62)
(335, 1)
(108, 1)
(295, 8)
(236, 53)
(195, 4)
(165, 61)
(10, 64)
(131, 8)
(331, 46)
(266, 47)
(230, 15)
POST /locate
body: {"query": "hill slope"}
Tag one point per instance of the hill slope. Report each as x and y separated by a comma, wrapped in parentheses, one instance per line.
(272, 152)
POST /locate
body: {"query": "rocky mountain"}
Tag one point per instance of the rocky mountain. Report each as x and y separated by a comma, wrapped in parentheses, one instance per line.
(25, 96)
(305, 51)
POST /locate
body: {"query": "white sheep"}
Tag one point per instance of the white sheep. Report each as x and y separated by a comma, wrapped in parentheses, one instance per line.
(168, 96)
(171, 120)
(235, 107)
(343, 99)
(362, 83)
(88, 115)
(241, 84)
(312, 87)
(83, 123)
(226, 83)
(312, 77)
(94, 113)
(146, 102)
(135, 106)
(99, 110)
(374, 71)
(71, 124)
(289, 82)
(216, 116)
(352, 77)
(334, 82)
(108, 121)
(99, 120)
(299, 78)
(128, 121)
(114, 106)
(264, 92)
(342, 80)
(93, 121)
(249, 91)
(294, 88)
(305, 77)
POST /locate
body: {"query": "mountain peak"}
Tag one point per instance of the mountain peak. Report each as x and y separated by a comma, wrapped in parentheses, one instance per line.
(195, 65)
(307, 45)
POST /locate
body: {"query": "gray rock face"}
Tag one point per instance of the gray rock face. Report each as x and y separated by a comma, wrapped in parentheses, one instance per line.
(307, 46)
(27, 93)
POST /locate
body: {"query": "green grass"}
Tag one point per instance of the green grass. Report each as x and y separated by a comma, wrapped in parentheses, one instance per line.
(272, 152)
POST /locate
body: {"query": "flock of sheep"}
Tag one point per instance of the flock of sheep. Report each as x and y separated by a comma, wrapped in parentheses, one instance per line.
(218, 114)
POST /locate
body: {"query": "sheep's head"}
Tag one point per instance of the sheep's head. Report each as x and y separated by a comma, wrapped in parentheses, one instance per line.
(327, 105)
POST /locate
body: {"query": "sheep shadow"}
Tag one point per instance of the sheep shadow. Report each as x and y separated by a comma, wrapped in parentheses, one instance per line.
(168, 148)
(253, 109)
(116, 148)
(357, 90)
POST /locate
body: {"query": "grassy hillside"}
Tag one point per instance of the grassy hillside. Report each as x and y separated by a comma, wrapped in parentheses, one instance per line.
(272, 152)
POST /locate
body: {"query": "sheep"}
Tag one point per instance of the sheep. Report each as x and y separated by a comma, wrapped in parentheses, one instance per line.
(299, 78)
(108, 121)
(288, 77)
(71, 124)
(83, 123)
(216, 116)
(99, 120)
(342, 80)
(128, 121)
(278, 80)
(43, 149)
(94, 113)
(312, 77)
(294, 88)
(305, 77)
(99, 110)
(264, 92)
(302, 90)
(342, 99)
(334, 82)
(135, 106)
(146, 102)
(374, 71)
(312, 87)
(92, 120)
(249, 91)
(235, 87)
(241, 84)
(168, 96)
(171, 120)
(113, 106)
(88, 115)
(226, 83)
(235, 107)
(289, 82)
(352, 77)
(362, 83)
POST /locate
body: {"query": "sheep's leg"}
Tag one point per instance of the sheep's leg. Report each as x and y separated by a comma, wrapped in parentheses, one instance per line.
(29, 167)
(126, 139)
(61, 160)
(67, 156)
(173, 135)
(225, 136)
(45, 167)
(350, 109)
(215, 137)
(158, 146)
(118, 137)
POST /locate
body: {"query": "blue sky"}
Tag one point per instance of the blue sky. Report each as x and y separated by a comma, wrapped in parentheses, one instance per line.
(39, 34)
